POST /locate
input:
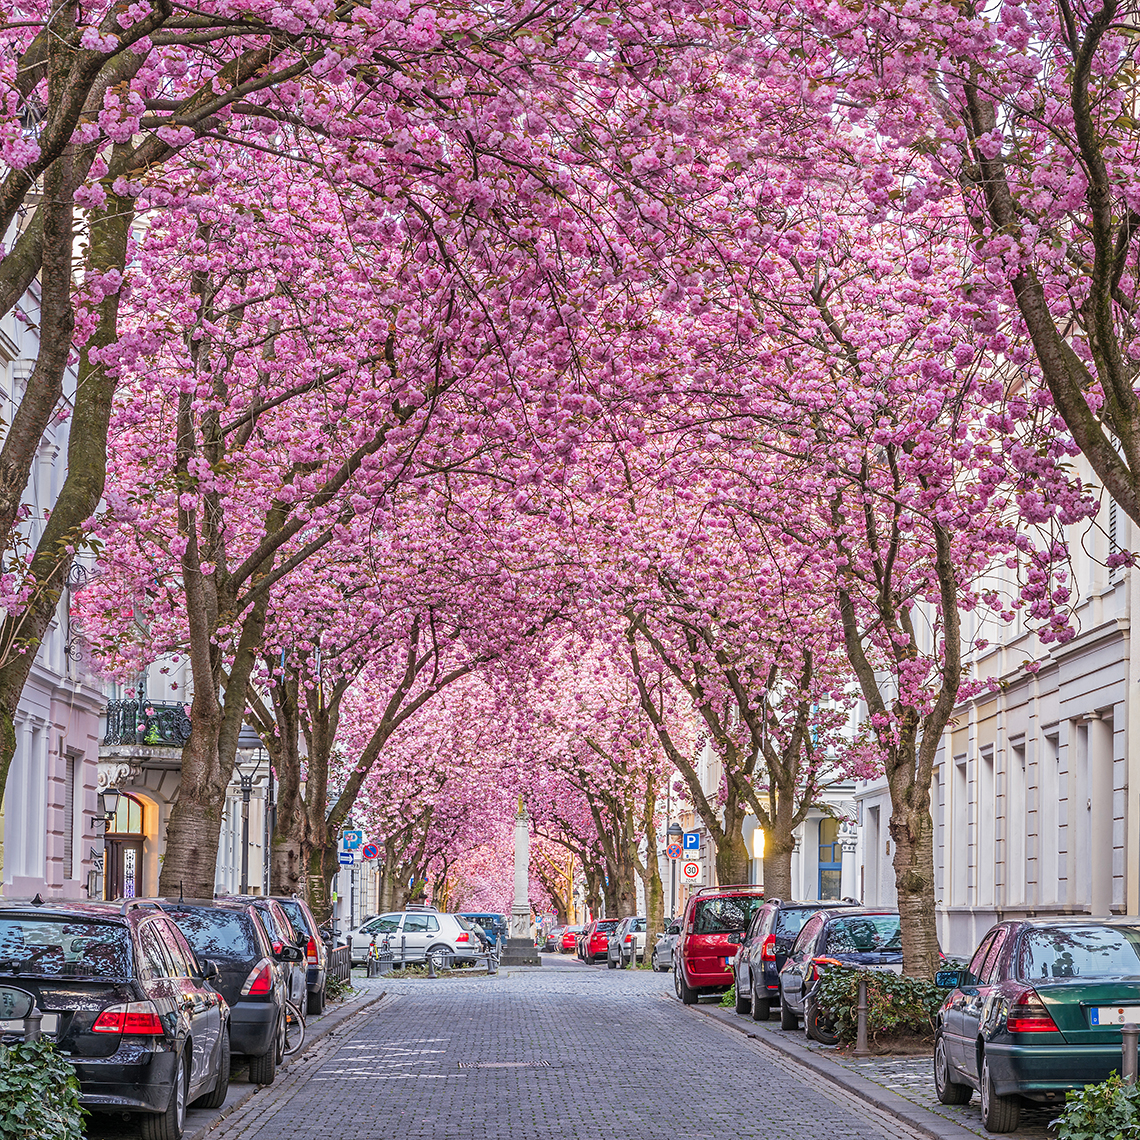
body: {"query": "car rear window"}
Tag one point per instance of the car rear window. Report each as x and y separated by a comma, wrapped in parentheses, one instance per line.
(219, 934)
(726, 915)
(790, 922)
(864, 934)
(296, 917)
(67, 948)
(606, 926)
(1079, 952)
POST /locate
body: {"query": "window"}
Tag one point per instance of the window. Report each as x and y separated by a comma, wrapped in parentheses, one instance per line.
(69, 817)
(989, 971)
(420, 923)
(220, 934)
(182, 958)
(64, 949)
(830, 859)
(128, 817)
(155, 960)
(385, 924)
(865, 934)
(805, 940)
(1079, 952)
(726, 915)
(975, 966)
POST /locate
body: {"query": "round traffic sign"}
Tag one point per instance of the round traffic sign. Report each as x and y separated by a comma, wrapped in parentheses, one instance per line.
(691, 870)
(371, 851)
(673, 851)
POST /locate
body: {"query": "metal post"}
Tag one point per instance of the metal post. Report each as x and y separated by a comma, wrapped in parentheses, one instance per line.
(32, 1025)
(403, 951)
(246, 789)
(431, 965)
(1130, 1034)
(861, 1049)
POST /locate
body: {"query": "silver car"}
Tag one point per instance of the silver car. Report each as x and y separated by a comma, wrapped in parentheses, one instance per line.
(415, 933)
(626, 943)
(662, 956)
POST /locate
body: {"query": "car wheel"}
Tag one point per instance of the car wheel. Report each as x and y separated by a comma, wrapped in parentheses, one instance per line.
(788, 1020)
(316, 1002)
(685, 992)
(440, 956)
(263, 1069)
(217, 1097)
(168, 1125)
(999, 1113)
(761, 1007)
(743, 1000)
(947, 1089)
(817, 1026)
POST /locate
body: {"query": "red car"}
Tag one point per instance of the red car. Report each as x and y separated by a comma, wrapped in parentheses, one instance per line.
(715, 922)
(570, 938)
(597, 939)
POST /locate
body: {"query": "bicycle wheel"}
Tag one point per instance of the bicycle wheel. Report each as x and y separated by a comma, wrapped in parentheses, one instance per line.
(294, 1029)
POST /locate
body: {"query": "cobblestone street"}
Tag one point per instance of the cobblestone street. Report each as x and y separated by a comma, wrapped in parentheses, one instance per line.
(567, 1051)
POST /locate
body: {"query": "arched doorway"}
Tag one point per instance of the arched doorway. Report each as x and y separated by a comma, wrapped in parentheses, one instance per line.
(124, 844)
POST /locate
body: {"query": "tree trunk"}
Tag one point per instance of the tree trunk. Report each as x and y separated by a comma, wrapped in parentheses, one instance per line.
(778, 850)
(913, 834)
(323, 866)
(654, 901)
(732, 858)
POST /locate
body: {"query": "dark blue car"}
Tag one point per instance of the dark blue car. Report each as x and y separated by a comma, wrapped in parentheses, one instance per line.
(494, 926)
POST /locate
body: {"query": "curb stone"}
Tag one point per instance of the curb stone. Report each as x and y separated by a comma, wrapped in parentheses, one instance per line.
(328, 1024)
(928, 1123)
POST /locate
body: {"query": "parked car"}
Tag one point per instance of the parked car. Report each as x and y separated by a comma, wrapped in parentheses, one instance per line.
(661, 956)
(626, 943)
(494, 926)
(553, 940)
(280, 932)
(712, 926)
(1037, 1012)
(596, 940)
(316, 952)
(418, 932)
(127, 1000)
(852, 936)
(570, 938)
(762, 954)
(251, 975)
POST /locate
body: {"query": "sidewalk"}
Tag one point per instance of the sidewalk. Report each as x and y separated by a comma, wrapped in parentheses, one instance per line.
(900, 1085)
(366, 993)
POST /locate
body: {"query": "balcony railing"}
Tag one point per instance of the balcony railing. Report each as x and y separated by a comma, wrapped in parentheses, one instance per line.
(158, 723)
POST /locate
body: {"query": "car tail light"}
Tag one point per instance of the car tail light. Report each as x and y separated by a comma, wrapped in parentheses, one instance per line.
(768, 949)
(138, 1017)
(463, 937)
(311, 953)
(629, 938)
(1027, 1014)
(260, 980)
(817, 965)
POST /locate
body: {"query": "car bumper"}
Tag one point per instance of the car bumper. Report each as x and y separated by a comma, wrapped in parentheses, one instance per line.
(253, 1028)
(315, 979)
(706, 972)
(135, 1077)
(1036, 1071)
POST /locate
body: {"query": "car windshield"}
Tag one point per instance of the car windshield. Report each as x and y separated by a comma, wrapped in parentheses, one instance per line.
(224, 935)
(1079, 952)
(726, 915)
(864, 934)
(57, 947)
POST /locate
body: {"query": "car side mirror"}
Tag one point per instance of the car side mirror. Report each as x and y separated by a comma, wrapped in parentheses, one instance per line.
(737, 938)
(954, 979)
(209, 969)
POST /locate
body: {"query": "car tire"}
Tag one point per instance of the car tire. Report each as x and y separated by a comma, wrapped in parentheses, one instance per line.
(217, 1096)
(999, 1113)
(685, 992)
(316, 1002)
(816, 1026)
(759, 1007)
(946, 1089)
(263, 1069)
(788, 1020)
(743, 1002)
(169, 1125)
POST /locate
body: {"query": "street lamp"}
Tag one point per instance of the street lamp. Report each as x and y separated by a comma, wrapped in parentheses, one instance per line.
(673, 833)
(248, 737)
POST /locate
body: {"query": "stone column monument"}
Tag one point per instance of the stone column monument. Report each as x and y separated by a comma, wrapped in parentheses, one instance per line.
(519, 949)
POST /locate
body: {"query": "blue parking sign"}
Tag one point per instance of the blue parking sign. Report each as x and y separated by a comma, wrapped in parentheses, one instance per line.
(692, 841)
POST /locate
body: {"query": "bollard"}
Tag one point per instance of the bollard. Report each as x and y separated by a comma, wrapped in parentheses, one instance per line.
(403, 951)
(431, 965)
(32, 1024)
(492, 963)
(1130, 1034)
(861, 1049)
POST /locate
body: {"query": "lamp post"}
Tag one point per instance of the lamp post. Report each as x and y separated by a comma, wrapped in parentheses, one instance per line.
(246, 792)
(673, 833)
(108, 807)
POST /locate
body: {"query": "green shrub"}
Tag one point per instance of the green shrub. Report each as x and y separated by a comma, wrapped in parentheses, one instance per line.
(1106, 1111)
(729, 999)
(896, 1005)
(39, 1093)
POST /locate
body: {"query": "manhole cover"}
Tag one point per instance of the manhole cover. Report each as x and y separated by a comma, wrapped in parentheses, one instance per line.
(504, 1064)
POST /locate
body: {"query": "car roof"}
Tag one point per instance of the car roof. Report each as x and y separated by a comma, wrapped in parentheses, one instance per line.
(1076, 920)
(61, 908)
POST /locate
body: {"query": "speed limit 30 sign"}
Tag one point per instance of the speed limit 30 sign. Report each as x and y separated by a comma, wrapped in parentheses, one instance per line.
(691, 870)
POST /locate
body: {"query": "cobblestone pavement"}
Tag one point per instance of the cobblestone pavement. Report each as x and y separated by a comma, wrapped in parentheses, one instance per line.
(910, 1077)
(565, 1051)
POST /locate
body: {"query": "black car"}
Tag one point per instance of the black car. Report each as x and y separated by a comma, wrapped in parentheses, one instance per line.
(250, 975)
(765, 949)
(850, 936)
(127, 1001)
(316, 952)
(279, 930)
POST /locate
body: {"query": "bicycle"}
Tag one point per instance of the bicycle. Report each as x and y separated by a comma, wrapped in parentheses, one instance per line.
(294, 1029)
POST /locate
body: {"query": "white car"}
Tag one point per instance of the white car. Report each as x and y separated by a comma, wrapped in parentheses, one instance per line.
(415, 933)
(662, 956)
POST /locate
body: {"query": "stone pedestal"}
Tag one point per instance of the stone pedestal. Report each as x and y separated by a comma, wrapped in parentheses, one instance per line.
(519, 948)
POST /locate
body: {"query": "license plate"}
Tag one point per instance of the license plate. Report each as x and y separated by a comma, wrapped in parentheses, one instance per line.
(894, 968)
(49, 1025)
(1114, 1014)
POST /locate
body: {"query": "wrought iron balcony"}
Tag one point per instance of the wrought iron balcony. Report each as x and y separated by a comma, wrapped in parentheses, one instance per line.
(158, 723)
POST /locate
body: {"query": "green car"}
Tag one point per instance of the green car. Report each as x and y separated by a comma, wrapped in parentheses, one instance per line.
(1037, 1012)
